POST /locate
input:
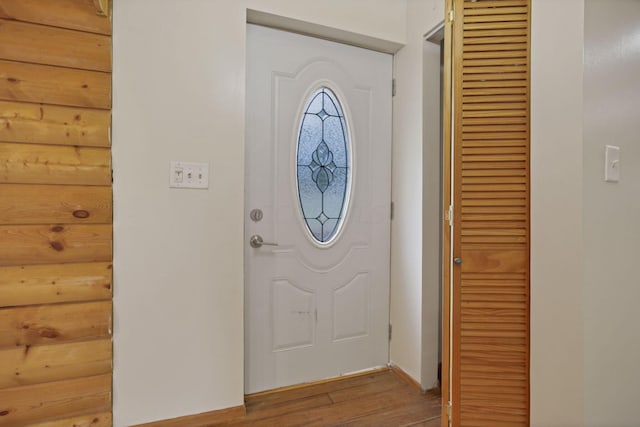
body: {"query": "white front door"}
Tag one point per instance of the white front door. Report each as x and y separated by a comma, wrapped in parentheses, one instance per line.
(318, 182)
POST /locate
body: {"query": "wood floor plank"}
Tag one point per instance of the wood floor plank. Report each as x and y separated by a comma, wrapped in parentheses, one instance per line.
(401, 415)
(433, 422)
(316, 389)
(369, 389)
(257, 412)
(376, 399)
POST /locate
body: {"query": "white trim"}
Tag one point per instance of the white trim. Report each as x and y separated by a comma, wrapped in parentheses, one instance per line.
(322, 32)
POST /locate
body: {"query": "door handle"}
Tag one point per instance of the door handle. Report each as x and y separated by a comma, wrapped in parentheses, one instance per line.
(256, 242)
(457, 261)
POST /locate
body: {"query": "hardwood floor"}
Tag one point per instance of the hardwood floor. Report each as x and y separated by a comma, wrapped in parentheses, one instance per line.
(377, 399)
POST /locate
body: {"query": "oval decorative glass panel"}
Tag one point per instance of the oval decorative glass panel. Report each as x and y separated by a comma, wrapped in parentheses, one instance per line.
(323, 170)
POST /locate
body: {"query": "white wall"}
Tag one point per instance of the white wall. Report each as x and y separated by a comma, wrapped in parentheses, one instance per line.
(611, 213)
(556, 214)
(407, 194)
(382, 19)
(178, 94)
(432, 213)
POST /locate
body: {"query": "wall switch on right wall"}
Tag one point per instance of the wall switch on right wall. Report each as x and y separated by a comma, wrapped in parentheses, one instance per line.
(611, 163)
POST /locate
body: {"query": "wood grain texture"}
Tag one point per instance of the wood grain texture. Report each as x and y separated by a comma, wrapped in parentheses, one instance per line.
(55, 213)
(102, 419)
(50, 244)
(219, 417)
(73, 14)
(46, 363)
(377, 399)
(491, 218)
(63, 399)
(50, 124)
(48, 164)
(63, 204)
(53, 324)
(102, 7)
(56, 283)
(39, 44)
(54, 85)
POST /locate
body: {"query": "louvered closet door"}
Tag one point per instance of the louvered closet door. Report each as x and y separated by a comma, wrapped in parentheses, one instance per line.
(490, 381)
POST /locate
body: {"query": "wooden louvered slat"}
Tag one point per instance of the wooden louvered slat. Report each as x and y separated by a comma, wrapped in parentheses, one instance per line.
(491, 9)
(495, 25)
(490, 383)
(509, 47)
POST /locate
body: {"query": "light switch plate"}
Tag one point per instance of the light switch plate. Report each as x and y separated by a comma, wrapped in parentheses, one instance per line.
(189, 175)
(611, 163)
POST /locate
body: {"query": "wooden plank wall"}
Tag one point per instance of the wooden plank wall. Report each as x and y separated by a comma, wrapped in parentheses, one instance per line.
(490, 380)
(55, 213)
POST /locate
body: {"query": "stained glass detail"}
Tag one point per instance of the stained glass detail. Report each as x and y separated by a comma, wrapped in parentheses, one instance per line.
(323, 171)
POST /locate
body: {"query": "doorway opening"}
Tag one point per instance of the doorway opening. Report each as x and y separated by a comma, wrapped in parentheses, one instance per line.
(430, 348)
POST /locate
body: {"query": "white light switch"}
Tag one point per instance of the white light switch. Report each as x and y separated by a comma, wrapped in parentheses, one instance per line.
(189, 175)
(612, 163)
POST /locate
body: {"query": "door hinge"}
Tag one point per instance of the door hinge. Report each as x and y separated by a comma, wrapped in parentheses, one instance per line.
(392, 210)
(448, 215)
(451, 15)
(390, 331)
(449, 412)
(393, 87)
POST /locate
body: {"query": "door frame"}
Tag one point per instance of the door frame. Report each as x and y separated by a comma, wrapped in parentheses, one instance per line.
(384, 46)
(447, 204)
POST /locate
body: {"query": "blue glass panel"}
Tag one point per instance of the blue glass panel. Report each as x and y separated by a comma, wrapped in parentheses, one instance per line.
(316, 103)
(331, 105)
(334, 196)
(323, 171)
(310, 137)
(334, 138)
(310, 196)
(329, 229)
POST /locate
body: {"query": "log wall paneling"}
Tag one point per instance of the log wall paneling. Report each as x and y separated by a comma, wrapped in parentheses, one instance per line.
(45, 363)
(55, 323)
(71, 204)
(61, 399)
(45, 284)
(50, 244)
(39, 44)
(54, 85)
(55, 213)
(73, 14)
(50, 124)
(53, 164)
(490, 375)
